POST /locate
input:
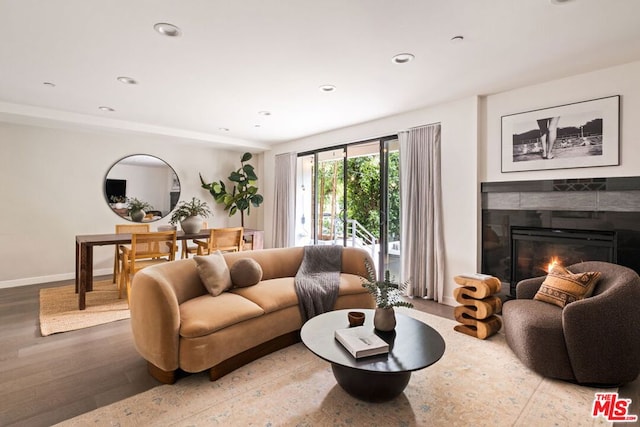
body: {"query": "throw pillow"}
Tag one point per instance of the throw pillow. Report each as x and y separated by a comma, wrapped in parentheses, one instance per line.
(213, 272)
(562, 287)
(246, 272)
(562, 270)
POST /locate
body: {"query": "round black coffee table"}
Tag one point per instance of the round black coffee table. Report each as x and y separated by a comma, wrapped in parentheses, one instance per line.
(413, 345)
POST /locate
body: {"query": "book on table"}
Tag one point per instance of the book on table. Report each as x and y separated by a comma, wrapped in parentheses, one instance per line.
(476, 276)
(361, 341)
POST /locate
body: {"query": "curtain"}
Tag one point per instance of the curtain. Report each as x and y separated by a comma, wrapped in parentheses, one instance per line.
(422, 239)
(284, 200)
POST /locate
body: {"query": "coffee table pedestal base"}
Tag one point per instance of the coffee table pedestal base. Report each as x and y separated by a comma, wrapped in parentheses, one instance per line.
(371, 386)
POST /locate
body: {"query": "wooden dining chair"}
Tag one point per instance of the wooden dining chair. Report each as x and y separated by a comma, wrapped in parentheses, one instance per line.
(146, 249)
(117, 259)
(221, 239)
(191, 249)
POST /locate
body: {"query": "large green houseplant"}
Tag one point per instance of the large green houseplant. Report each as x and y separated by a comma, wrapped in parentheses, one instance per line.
(190, 215)
(242, 195)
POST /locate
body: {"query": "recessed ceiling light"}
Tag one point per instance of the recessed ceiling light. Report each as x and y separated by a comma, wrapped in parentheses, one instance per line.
(166, 29)
(256, 126)
(49, 84)
(127, 80)
(223, 129)
(264, 113)
(105, 108)
(457, 39)
(560, 1)
(402, 58)
(327, 88)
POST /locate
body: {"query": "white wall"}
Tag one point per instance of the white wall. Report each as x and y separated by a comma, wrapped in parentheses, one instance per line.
(52, 179)
(52, 190)
(620, 80)
(459, 174)
(471, 149)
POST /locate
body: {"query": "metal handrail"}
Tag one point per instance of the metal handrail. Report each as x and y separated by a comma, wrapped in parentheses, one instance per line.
(359, 232)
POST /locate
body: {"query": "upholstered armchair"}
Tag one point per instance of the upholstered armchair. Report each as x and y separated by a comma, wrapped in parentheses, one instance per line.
(595, 340)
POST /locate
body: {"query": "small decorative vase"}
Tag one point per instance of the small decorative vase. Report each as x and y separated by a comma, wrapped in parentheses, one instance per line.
(384, 319)
(137, 216)
(192, 224)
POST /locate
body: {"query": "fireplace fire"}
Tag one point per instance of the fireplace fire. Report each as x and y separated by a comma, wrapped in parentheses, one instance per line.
(552, 263)
(534, 251)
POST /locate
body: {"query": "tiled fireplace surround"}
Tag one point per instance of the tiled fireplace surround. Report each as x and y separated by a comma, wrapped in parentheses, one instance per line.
(585, 208)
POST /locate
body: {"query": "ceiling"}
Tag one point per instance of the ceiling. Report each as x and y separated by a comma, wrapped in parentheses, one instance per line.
(236, 59)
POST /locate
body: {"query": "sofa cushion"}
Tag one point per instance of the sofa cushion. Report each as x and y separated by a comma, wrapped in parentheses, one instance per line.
(245, 272)
(205, 314)
(562, 287)
(213, 272)
(276, 294)
(270, 295)
(351, 284)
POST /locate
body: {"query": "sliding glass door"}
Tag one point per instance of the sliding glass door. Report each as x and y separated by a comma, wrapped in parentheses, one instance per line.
(391, 206)
(330, 197)
(364, 208)
(349, 195)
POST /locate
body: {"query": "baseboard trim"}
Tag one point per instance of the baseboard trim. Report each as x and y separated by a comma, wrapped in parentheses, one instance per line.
(450, 301)
(46, 279)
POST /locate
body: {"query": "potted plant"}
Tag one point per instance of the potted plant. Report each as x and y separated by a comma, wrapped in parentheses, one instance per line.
(118, 202)
(190, 215)
(388, 294)
(244, 193)
(137, 209)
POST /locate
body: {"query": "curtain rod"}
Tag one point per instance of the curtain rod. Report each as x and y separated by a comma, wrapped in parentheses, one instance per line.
(419, 127)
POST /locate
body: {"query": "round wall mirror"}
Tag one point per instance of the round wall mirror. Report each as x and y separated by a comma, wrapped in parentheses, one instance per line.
(141, 188)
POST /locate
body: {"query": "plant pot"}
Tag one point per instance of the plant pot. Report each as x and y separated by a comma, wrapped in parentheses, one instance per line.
(192, 224)
(384, 319)
(137, 216)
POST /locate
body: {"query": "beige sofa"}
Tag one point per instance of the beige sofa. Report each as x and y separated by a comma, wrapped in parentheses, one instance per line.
(178, 326)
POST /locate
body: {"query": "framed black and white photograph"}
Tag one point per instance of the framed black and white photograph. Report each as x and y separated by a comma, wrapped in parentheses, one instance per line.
(578, 135)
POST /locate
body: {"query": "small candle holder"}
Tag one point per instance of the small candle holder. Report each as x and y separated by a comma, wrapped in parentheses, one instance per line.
(356, 318)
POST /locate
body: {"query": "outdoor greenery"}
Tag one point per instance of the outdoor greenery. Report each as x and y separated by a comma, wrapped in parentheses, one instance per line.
(195, 207)
(243, 193)
(387, 292)
(363, 193)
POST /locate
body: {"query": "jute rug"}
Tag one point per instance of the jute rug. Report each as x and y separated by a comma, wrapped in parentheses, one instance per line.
(59, 308)
(476, 383)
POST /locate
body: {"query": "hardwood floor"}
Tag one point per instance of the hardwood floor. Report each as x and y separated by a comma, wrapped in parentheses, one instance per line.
(45, 380)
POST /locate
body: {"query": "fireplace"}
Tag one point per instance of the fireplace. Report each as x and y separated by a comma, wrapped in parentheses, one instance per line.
(533, 249)
(590, 219)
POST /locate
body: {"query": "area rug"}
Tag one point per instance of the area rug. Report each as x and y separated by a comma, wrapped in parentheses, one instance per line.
(59, 308)
(478, 383)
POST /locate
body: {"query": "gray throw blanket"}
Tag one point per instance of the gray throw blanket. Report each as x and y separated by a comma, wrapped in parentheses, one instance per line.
(318, 279)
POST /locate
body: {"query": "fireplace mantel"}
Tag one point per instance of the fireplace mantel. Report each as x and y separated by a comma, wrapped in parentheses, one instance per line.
(602, 204)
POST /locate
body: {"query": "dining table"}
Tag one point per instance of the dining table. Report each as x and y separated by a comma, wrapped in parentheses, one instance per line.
(86, 242)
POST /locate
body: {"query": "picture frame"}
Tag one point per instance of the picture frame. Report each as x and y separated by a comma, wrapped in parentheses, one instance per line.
(175, 183)
(583, 134)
